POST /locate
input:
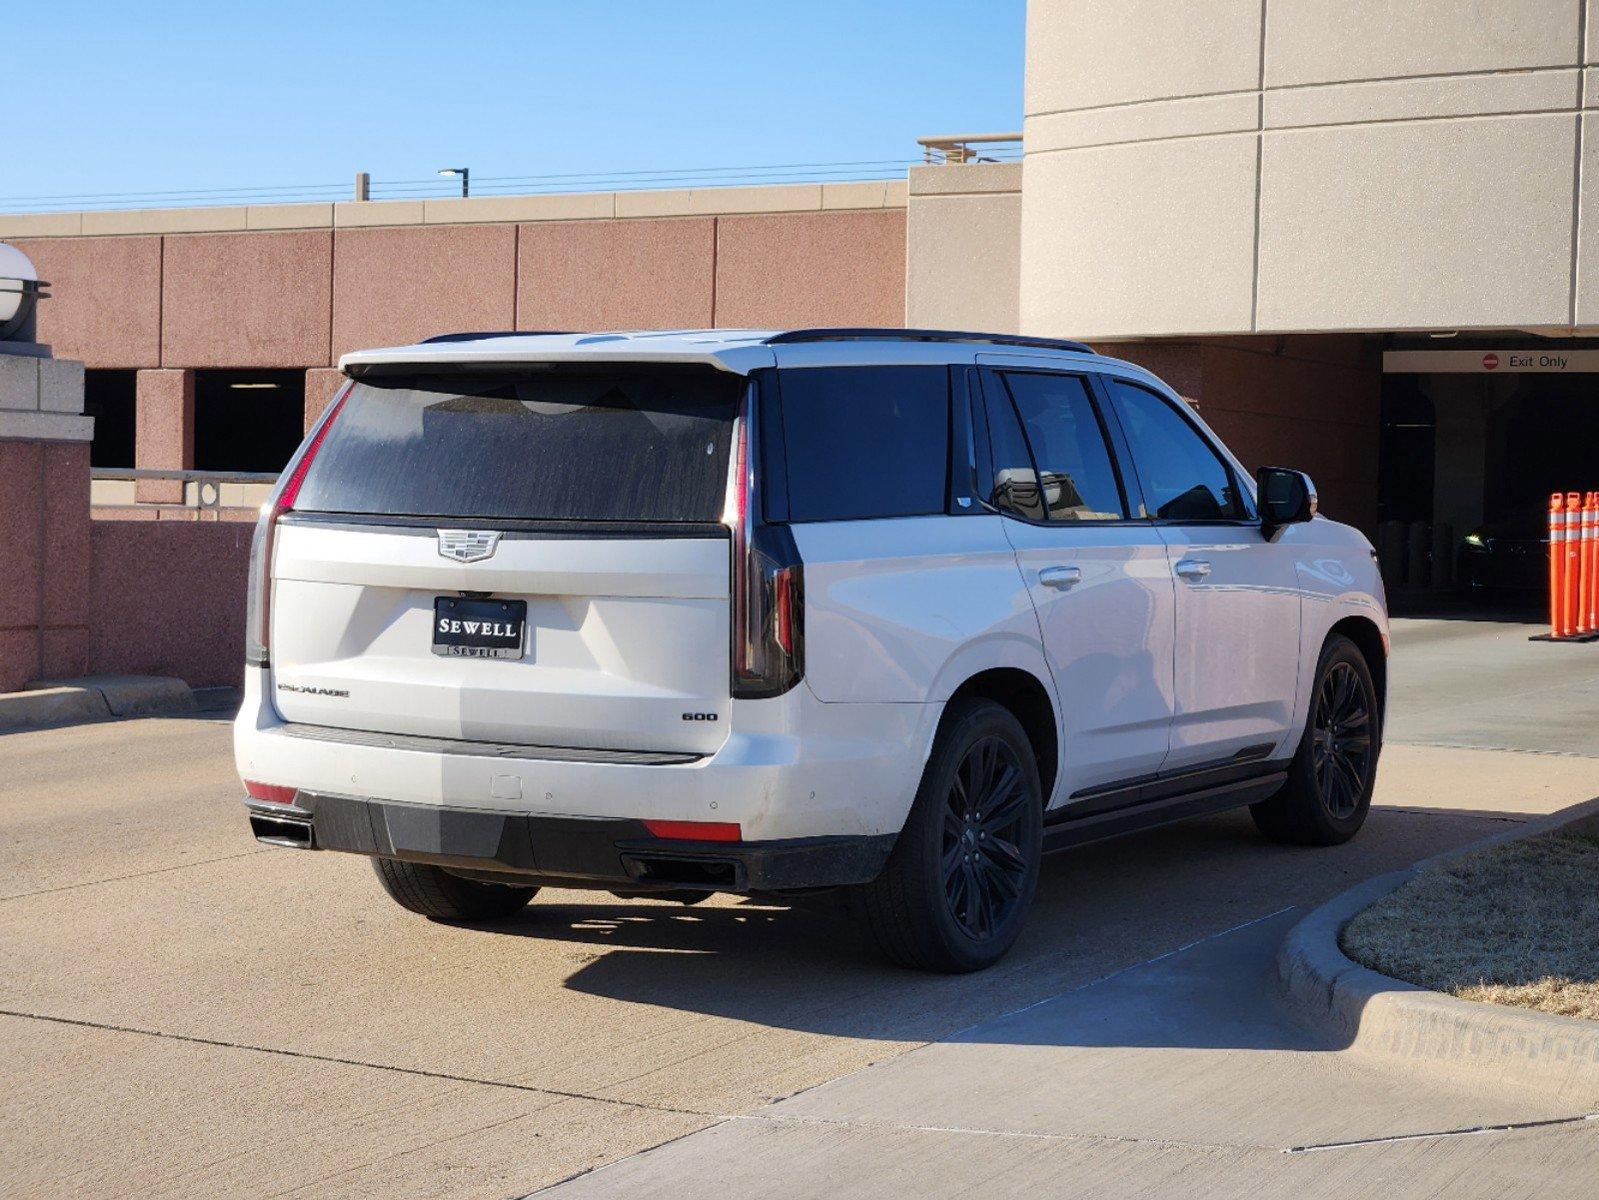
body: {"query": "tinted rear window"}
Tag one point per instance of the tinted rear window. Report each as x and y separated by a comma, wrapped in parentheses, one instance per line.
(540, 443)
(866, 441)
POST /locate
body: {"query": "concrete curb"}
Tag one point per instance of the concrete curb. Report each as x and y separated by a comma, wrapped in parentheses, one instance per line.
(1422, 1030)
(93, 698)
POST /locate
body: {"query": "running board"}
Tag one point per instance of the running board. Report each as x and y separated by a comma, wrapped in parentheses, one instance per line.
(1064, 831)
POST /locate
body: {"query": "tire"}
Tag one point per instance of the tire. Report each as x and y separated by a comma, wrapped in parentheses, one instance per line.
(1330, 781)
(435, 893)
(933, 907)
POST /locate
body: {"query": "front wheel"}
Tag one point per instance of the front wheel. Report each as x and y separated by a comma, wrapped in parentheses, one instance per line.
(434, 892)
(957, 887)
(1331, 778)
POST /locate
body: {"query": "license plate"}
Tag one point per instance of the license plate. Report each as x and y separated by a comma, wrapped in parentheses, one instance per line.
(464, 628)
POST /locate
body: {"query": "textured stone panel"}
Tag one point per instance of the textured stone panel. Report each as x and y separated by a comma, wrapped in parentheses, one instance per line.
(1587, 299)
(191, 578)
(1139, 240)
(841, 268)
(964, 262)
(395, 286)
(163, 431)
(639, 274)
(1085, 53)
(66, 534)
(104, 306)
(247, 300)
(1418, 225)
(1308, 41)
(21, 530)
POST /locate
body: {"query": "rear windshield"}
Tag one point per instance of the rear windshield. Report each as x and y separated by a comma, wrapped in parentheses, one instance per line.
(540, 443)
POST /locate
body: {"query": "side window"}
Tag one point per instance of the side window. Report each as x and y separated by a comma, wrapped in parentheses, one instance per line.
(865, 441)
(1075, 479)
(1015, 479)
(1182, 477)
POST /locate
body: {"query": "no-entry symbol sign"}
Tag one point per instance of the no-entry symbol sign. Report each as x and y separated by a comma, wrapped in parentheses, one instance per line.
(1490, 361)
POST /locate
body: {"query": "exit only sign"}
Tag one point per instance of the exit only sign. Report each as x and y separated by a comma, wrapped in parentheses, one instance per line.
(1483, 362)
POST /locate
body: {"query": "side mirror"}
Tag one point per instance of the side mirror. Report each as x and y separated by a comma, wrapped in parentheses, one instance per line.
(1284, 497)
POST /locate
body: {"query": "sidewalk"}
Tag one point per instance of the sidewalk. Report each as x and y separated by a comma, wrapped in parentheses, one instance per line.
(1181, 1076)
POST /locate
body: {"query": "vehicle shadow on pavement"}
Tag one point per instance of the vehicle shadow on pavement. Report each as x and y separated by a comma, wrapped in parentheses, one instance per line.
(1100, 910)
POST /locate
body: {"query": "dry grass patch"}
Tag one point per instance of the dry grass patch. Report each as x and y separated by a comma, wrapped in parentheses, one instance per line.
(1514, 924)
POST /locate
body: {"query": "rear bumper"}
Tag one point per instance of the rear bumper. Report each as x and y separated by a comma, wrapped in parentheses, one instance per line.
(790, 768)
(558, 851)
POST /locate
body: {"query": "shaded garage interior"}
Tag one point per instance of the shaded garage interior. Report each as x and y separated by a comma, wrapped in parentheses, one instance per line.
(1467, 462)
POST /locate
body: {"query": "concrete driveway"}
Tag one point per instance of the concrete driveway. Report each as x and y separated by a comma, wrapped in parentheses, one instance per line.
(183, 1012)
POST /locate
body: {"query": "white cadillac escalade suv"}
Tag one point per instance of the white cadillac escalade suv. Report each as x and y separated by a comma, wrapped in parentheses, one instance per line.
(892, 611)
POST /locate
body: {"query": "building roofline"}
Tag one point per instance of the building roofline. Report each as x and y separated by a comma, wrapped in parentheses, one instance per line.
(843, 195)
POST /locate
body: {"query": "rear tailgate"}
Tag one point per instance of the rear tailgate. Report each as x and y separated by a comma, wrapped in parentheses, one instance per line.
(624, 638)
(587, 502)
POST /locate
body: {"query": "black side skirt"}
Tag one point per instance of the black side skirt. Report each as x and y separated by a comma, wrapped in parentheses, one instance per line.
(1067, 828)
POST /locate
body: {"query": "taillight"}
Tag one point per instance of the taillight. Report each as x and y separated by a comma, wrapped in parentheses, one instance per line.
(258, 592)
(768, 584)
(272, 792)
(695, 831)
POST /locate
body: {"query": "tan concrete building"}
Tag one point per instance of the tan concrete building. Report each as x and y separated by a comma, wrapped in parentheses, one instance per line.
(1363, 236)
(1360, 236)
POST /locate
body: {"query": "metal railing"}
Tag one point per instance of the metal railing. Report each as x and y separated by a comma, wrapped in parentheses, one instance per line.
(208, 490)
(954, 148)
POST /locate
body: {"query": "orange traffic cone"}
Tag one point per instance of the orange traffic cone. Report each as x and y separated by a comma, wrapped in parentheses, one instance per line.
(1572, 573)
(1581, 623)
(1557, 561)
(1590, 596)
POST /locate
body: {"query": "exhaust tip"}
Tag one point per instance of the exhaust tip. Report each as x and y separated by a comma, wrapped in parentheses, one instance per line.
(282, 831)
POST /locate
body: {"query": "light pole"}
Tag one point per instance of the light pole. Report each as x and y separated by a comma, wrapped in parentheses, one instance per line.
(462, 173)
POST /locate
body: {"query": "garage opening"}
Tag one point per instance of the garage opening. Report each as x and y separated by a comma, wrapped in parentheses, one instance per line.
(108, 397)
(247, 421)
(1473, 442)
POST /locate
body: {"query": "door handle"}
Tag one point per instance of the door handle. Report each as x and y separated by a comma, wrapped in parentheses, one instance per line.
(1060, 578)
(1192, 568)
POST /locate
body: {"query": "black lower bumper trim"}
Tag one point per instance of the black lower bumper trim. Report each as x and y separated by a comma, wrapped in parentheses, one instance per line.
(598, 852)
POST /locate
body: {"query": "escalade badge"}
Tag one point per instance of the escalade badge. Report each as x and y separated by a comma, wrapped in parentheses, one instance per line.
(467, 545)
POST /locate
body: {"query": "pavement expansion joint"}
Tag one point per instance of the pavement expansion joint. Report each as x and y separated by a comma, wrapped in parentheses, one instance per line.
(1015, 1134)
(1491, 818)
(336, 1060)
(183, 866)
(1473, 1131)
(1531, 751)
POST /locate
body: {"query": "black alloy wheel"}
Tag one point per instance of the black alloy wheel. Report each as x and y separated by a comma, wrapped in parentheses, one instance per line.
(955, 892)
(1327, 794)
(985, 870)
(1341, 741)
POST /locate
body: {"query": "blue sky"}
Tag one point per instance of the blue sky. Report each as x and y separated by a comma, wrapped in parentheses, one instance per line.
(183, 96)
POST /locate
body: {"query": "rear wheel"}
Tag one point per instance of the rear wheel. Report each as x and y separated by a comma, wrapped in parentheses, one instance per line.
(1331, 778)
(957, 887)
(434, 892)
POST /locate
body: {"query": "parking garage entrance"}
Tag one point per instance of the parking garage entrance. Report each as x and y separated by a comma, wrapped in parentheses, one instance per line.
(1474, 439)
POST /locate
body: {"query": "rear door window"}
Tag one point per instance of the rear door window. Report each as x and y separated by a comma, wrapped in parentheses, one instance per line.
(1050, 456)
(537, 442)
(866, 442)
(1183, 478)
(1075, 475)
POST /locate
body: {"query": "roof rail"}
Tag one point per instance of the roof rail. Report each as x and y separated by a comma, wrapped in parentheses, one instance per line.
(487, 333)
(883, 334)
